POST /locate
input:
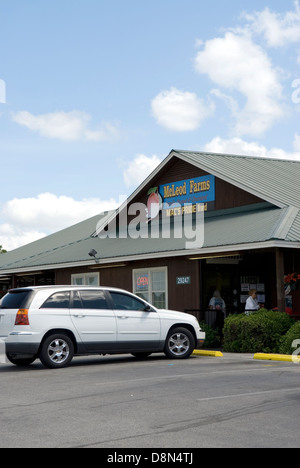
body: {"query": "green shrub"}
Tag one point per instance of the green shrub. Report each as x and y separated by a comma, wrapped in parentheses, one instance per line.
(287, 340)
(260, 331)
(212, 337)
(232, 333)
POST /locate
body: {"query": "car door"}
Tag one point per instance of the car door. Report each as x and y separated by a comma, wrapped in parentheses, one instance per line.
(137, 328)
(94, 320)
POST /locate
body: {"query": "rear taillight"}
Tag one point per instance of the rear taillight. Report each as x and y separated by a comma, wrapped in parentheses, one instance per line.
(22, 317)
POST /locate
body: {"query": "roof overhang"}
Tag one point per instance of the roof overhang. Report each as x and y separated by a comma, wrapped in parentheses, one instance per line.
(191, 254)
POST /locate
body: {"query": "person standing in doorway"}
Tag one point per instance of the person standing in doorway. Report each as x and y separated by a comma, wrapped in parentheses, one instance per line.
(216, 304)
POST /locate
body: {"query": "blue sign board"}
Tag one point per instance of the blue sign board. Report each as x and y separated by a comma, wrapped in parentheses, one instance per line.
(189, 191)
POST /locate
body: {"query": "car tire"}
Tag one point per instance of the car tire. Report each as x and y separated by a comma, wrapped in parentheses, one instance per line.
(18, 361)
(57, 351)
(180, 343)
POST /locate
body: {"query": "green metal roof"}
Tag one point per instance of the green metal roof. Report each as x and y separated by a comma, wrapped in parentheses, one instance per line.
(274, 180)
(232, 230)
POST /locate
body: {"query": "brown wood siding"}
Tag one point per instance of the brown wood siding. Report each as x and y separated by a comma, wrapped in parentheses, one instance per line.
(227, 195)
(179, 297)
(182, 297)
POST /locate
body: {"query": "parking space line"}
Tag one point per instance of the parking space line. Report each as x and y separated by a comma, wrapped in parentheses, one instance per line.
(238, 395)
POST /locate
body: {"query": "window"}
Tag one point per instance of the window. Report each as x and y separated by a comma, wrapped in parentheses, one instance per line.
(93, 300)
(85, 279)
(15, 299)
(126, 302)
(59, 300)
(77, 304)
(151, 285)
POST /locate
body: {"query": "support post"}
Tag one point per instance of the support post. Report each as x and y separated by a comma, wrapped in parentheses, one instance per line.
(280, 279)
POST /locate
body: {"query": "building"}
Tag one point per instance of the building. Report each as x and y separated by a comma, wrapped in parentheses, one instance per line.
(251, 237)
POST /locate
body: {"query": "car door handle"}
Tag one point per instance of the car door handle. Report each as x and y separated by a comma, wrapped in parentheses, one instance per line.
(79, 315)
(123, 317)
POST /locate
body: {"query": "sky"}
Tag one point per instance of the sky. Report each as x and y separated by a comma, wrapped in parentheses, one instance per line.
(94, 94)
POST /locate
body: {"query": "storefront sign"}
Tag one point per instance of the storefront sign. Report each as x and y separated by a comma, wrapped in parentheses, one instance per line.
(192, 192)
(142, 282)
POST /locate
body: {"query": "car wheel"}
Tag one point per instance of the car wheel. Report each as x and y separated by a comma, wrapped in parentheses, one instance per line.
(57, 351)
(180, 344)
(18, 361)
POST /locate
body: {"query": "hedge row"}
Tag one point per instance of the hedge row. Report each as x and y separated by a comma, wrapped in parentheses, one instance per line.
(263, 331)
(293, 334)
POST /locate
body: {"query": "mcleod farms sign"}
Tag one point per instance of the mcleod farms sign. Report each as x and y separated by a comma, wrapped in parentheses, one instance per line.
(191, 192)
(182, 197)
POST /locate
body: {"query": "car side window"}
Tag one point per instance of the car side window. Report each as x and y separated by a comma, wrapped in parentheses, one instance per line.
(76, 301)
(126, 302)
(58, 300)
(93, 300)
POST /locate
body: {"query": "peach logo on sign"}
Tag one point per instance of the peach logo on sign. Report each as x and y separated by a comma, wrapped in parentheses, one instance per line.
(154, 204)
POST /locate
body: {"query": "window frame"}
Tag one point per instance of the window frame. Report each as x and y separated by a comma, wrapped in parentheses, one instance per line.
(85, 276)
(149, 271)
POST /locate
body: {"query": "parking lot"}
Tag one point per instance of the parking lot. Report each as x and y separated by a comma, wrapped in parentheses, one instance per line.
(120, 402)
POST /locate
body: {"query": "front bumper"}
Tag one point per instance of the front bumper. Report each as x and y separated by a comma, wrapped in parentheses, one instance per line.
(200, 340)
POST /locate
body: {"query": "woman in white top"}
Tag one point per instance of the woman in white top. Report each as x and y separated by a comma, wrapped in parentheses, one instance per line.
(252, 303)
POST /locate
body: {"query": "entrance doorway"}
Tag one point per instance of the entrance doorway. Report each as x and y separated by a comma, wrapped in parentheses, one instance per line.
(235, 276)
(222, 278)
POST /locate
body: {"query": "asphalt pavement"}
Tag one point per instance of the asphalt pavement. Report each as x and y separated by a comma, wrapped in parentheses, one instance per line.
(119, 402)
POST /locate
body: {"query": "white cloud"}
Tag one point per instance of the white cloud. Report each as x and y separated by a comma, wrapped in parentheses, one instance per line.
(277, 29)
(12, 237)
(139, 169)
(297, 142)
(68, 126)
(28, 219)
(236, 63)
(180, 111)
(241, 147)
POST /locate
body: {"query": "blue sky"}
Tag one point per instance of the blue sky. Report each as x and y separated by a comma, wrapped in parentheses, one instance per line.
(97, 93)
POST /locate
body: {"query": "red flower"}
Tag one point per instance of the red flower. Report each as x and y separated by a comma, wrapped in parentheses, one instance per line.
(292, 280)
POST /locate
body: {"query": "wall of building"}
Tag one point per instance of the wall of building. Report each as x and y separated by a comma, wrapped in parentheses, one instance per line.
(181, 296)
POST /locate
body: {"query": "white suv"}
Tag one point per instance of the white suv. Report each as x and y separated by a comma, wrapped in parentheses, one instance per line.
(54, 323)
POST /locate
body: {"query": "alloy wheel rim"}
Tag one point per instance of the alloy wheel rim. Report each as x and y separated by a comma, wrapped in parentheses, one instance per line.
(58, 351)
(179, 344)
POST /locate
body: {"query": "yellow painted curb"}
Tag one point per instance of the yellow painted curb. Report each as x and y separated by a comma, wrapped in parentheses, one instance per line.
(274, 357)
(200, 352)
